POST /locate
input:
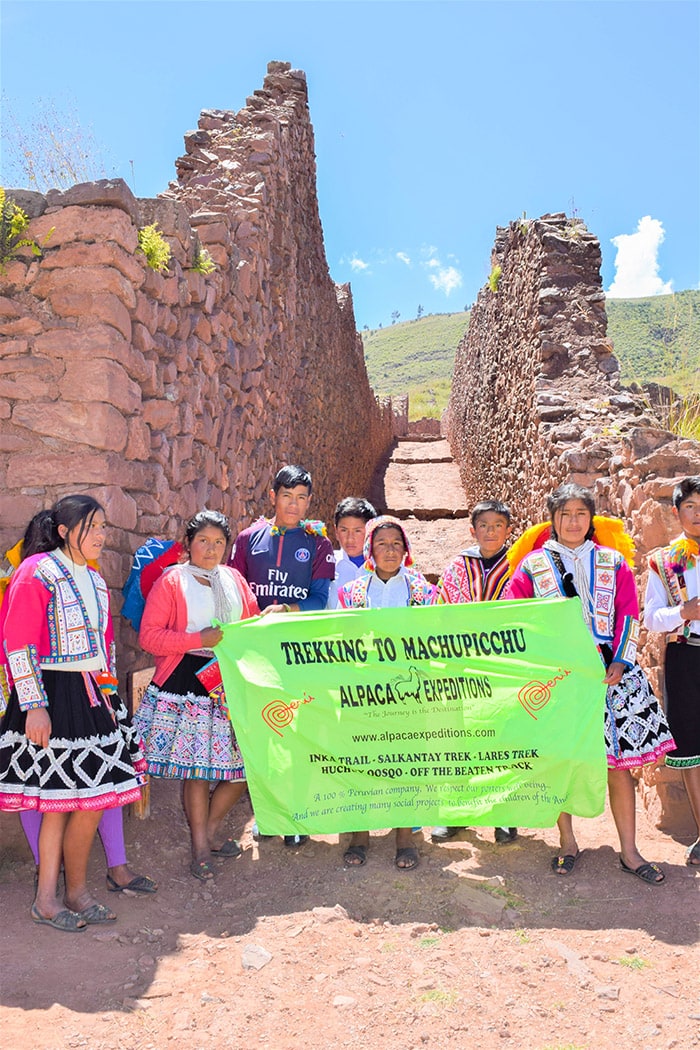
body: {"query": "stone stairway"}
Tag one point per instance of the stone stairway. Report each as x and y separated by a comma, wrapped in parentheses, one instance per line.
(421, 485)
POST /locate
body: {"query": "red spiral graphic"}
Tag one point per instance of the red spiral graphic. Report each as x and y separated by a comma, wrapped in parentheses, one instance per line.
(277, 715)
(533, 697)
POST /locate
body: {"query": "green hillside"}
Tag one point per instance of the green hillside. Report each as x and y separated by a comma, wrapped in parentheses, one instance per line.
(658, 338)
(655, 339)
(416, 357)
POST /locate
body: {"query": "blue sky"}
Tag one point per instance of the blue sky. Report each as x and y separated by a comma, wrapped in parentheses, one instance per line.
(435, 121)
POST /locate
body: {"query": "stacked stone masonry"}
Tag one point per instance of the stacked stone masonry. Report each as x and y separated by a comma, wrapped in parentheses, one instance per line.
(537, 400)
(163, 393)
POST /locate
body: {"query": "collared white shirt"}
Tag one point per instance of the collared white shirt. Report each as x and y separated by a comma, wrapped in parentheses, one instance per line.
(345, 571)
(394, 594)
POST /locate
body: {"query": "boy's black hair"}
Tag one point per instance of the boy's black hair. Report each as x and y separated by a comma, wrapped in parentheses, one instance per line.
(289, 477)
(493, 505)
(354, 507)
(203, 520)
(568, 492)
(686, 487)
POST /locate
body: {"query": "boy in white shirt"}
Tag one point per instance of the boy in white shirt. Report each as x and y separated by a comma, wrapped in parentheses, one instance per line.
(672, 605)
(350, 518)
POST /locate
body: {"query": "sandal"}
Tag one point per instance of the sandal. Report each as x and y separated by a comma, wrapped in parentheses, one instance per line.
(96, 914)
(355, 856)
(692, 855)
(647, 872)
(410, 856)
(229, 849)
(201, 870)
(67, 921)
(564, 864)
(139, 884)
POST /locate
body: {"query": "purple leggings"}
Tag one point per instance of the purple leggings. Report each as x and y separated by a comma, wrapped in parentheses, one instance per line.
(110, 828)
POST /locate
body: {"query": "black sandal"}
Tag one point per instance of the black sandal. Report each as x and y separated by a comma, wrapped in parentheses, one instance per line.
(355, 856)
(410, 855)
(139, 884)
(565, 863)
(648, 872)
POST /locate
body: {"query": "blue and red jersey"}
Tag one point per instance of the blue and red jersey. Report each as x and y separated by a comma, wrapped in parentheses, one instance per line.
(291, 566)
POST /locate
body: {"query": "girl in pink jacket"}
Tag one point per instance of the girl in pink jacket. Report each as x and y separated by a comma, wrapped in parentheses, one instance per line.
(186, 730)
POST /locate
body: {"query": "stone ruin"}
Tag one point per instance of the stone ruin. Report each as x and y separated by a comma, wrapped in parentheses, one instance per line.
(160, 393)
(537, 400)
(163, 393)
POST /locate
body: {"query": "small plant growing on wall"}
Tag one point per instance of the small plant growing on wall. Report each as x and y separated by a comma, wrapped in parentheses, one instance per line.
(154, 246)
(494, 278)
(203, 262)
(13, 225)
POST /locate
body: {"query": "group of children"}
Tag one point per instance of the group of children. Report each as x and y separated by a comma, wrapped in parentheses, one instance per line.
(58, 658)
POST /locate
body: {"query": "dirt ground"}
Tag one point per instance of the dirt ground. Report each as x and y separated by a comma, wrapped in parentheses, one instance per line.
(481, 946)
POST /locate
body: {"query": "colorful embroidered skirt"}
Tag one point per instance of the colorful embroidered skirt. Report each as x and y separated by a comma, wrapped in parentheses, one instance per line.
(682, 687)
(636, 731)
(93, 761)
(186, 734)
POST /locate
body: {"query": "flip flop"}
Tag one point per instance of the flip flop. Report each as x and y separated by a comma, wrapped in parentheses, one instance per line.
(410, 855)
(66, 921)
(564, 864)
(647, 872)
(692, 856)
(355, 856)
(229, 849)
(97, 914)
(139, 884)
(201, 870)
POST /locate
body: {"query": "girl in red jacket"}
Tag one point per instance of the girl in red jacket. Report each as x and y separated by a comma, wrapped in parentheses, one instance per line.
(186, 730)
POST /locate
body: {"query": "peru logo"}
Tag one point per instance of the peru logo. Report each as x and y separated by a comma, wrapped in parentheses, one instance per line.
(278, 714)
(535, 695)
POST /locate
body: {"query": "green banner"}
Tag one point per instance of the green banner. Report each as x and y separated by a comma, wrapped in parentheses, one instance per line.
(482, 714)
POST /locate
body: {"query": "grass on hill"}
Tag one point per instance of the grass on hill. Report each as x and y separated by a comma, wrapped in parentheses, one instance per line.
(416, 357)
(656, 339)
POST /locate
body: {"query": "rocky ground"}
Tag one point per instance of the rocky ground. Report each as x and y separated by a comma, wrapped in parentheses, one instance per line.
(480, 947)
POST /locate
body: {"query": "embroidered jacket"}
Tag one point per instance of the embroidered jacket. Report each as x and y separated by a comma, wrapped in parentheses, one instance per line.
(466, 579)
(43, 620)
(419, 591)
(615, 610)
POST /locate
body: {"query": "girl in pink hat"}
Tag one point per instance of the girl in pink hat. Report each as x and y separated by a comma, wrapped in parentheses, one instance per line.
(388, 583)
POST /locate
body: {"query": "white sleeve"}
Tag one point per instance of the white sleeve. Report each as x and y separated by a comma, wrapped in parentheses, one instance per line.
(658, 614)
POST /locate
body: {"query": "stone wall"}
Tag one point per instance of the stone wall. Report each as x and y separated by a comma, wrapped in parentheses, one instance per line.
(162, 393)
(424, 428)
(537, 400)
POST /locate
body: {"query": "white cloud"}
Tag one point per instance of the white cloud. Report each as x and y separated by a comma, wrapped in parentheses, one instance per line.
(443, 278)
(446, 279)
(358, 265)
(402, 257)
(636, 262)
